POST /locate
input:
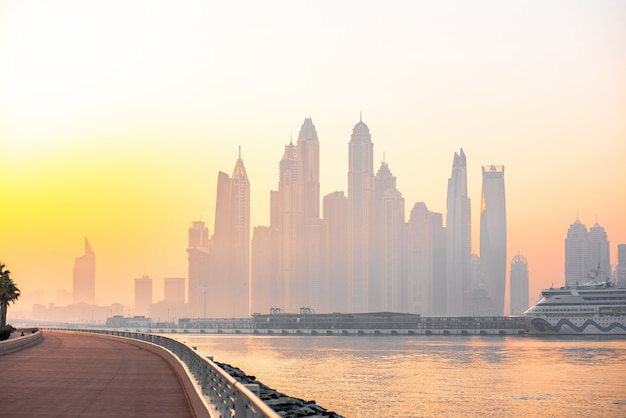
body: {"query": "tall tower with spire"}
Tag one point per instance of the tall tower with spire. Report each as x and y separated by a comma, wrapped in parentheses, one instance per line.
(240, 239)
(84, 276)
(388, 284)
(229, 289)
(360, 214)
(458, 239)
(285, 216)
(493, 236)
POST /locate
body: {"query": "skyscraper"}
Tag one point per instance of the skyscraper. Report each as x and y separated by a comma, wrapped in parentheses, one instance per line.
(240, 241)
(493, 236)
(310, 235)
(360, 214)
(84, 276)
(285, 216)
(621, 265)
(387, 284)
(143, 295)
(598, 264)
(426, 258)
(519, 285)
(576, 254)
(336, 251)
(458, 239)
(229, 284)
(198, 257)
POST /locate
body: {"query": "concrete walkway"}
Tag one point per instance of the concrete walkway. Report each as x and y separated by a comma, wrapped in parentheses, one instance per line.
(86, 375)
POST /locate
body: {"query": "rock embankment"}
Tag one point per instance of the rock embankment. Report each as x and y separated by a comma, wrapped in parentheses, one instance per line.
(284, 405)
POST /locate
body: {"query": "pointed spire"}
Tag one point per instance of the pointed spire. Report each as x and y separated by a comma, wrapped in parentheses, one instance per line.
(88, 249)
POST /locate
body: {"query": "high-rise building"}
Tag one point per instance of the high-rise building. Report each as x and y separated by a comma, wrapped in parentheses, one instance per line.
(519, 285)
(174, 290)
(262, 283)
(360, 215)
(240, 242)
(228, 293)
(598, 264)
(199, 269)
(311, 235)
(425, 262)
(84, 276)
(387, 284)
(285, 216)
(621, 265)
(458, 239)
(143, 295)
(493, 236)
(336, 251)
(576, 254)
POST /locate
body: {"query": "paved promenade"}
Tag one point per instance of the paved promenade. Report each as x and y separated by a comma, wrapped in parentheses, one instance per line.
(84, 375)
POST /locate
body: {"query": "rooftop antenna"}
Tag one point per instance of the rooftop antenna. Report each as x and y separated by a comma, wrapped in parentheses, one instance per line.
(240, 151)
(361, 116)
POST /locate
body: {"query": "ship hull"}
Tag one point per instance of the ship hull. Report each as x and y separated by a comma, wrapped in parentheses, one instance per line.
(577, 326)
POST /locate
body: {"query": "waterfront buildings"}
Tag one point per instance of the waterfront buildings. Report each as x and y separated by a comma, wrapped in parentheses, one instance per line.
(587, 257)
(493, 236)
(519, 285)
(84, 276)
(199, 269)
(458, 239)
(227, 292)
(621, 265)
(143, 295)
(598, 264)
(425, 262)
(360, 216)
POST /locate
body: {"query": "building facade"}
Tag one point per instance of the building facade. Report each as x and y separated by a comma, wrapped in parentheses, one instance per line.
(519, 285)
(84, 277)
(493, 236)
(458, 239)
(360, 215)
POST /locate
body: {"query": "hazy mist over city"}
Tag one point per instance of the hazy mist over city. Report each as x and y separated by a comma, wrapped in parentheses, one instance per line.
(339, 155)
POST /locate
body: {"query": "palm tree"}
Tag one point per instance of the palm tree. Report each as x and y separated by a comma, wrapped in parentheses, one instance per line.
(8, 293)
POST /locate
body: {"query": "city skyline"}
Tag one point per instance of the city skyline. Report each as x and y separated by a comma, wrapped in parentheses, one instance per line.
(121, 142)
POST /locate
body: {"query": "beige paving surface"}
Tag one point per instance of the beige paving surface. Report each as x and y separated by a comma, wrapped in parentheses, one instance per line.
(83, 375)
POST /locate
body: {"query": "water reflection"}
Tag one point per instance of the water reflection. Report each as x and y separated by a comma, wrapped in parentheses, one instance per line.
(415, 376)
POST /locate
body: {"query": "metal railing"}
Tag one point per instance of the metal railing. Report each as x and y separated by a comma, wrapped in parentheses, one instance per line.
(231, 398)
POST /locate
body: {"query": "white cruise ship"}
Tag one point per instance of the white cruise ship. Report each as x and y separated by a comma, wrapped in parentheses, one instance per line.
(598, 308)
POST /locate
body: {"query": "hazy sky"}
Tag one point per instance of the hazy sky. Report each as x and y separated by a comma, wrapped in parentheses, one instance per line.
(116, 116)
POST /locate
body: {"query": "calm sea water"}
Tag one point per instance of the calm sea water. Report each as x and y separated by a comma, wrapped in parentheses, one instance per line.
(426, 376)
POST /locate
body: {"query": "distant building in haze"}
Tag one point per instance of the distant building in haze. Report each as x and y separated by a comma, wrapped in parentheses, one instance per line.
(84, 276)
(576, 254)
(425, 262)
(387, 284)
(336, 251)
(598, 255)
(493, 236)
(458, 239)
(174, 290)
(229, 285)
(519, 285)
(587, 255)
(173, 306)
(621, 265)
(143, 296)
(198, 256)
(360, 216)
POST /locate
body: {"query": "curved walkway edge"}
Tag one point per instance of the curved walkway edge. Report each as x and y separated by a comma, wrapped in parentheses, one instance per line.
(73, 374)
